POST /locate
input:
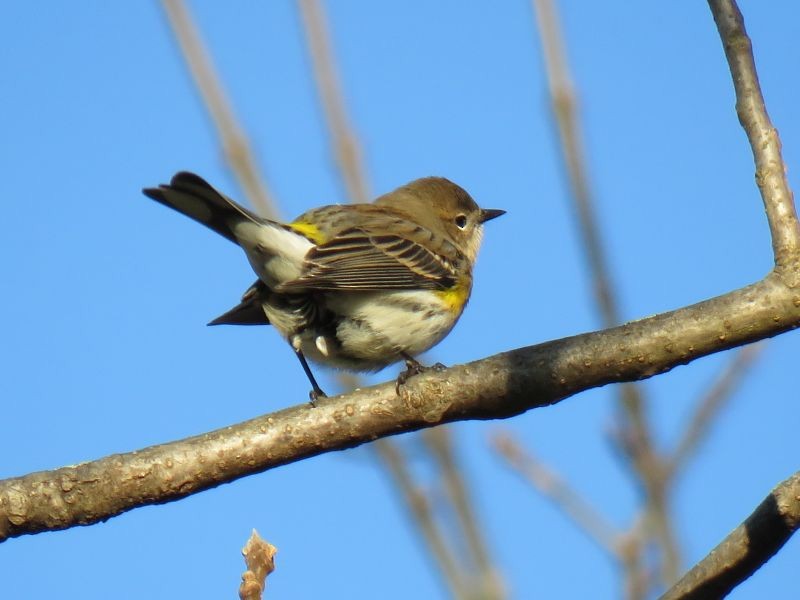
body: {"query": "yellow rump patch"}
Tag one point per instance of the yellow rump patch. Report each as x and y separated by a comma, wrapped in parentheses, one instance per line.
(308, 230)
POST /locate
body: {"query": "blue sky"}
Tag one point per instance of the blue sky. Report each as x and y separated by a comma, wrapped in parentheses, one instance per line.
(106, 294)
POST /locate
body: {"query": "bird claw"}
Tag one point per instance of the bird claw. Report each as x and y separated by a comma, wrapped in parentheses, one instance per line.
(315, 395)
(414, 367)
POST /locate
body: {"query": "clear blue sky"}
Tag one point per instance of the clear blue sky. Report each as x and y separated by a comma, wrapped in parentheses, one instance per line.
(106, 294)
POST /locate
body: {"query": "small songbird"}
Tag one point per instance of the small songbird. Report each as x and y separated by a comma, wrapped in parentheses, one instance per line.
(358, 286)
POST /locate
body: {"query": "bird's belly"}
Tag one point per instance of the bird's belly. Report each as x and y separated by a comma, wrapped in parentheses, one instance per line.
(363, 331)
(375, 329)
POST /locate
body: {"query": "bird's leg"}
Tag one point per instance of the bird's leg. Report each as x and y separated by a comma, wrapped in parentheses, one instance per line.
(414, 367)
(316, 392)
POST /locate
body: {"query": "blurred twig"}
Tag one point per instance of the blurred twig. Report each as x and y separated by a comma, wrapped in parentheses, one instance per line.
(346, 149)
(259, 556)
(232, 138)
(419, 507)
(563, 102)
(710, 405)
(636, 433)
(637, 578)
(558, 491)
(345, 143)
(439, 442)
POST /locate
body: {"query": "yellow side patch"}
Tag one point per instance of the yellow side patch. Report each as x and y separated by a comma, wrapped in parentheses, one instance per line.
(455, 298)
(308, 230)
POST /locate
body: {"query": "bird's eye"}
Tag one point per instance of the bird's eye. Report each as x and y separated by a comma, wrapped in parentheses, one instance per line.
(461, 221)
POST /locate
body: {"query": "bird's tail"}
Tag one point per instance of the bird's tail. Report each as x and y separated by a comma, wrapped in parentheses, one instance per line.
(249, 311)
(194, 197)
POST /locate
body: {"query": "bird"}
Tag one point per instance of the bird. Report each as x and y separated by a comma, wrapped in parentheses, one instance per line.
(355, 286)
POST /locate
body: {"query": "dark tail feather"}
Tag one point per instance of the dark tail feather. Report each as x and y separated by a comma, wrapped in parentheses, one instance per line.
(243, 314)
(248, 311)
(192, 196)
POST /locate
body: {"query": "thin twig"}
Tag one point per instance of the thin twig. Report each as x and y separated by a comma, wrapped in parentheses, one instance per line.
(710, 405)
(763, 137)
(439, 442)
(746, 548)
(259, 556)
(346, 148)
(419, 507)
(636, 433)
(560, 494)
(232, 137)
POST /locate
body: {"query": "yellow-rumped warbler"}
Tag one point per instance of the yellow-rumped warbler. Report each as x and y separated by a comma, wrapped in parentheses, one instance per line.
(356, 286)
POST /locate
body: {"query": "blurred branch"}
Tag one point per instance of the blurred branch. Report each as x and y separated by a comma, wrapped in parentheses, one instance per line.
(345, 144)
(563, 102)
(419, 507)
(710, 405)
(746, 548)
(560, 494)
(636, 432)
(259, 556)
(439, 441)
(232, 138)
(631, 544)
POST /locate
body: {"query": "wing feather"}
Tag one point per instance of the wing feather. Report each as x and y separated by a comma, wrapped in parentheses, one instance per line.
(360, 259)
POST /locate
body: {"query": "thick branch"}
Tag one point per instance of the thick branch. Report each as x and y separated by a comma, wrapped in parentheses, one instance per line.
(496, 387)
(746, 548)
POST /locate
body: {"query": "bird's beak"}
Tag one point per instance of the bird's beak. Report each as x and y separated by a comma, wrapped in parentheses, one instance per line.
(487, 214)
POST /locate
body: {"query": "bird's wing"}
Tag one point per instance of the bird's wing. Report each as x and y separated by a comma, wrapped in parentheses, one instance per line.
(361, 259)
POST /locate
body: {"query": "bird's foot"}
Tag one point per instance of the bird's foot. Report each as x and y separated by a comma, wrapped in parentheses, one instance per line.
(414, 367)
(315, 395)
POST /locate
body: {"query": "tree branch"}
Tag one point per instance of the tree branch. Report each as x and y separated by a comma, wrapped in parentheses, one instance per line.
(763, 137)
(500, 386)
(346, 147)
(746, 548)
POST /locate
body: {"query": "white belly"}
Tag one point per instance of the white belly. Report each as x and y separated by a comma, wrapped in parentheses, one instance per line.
(377, 328)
